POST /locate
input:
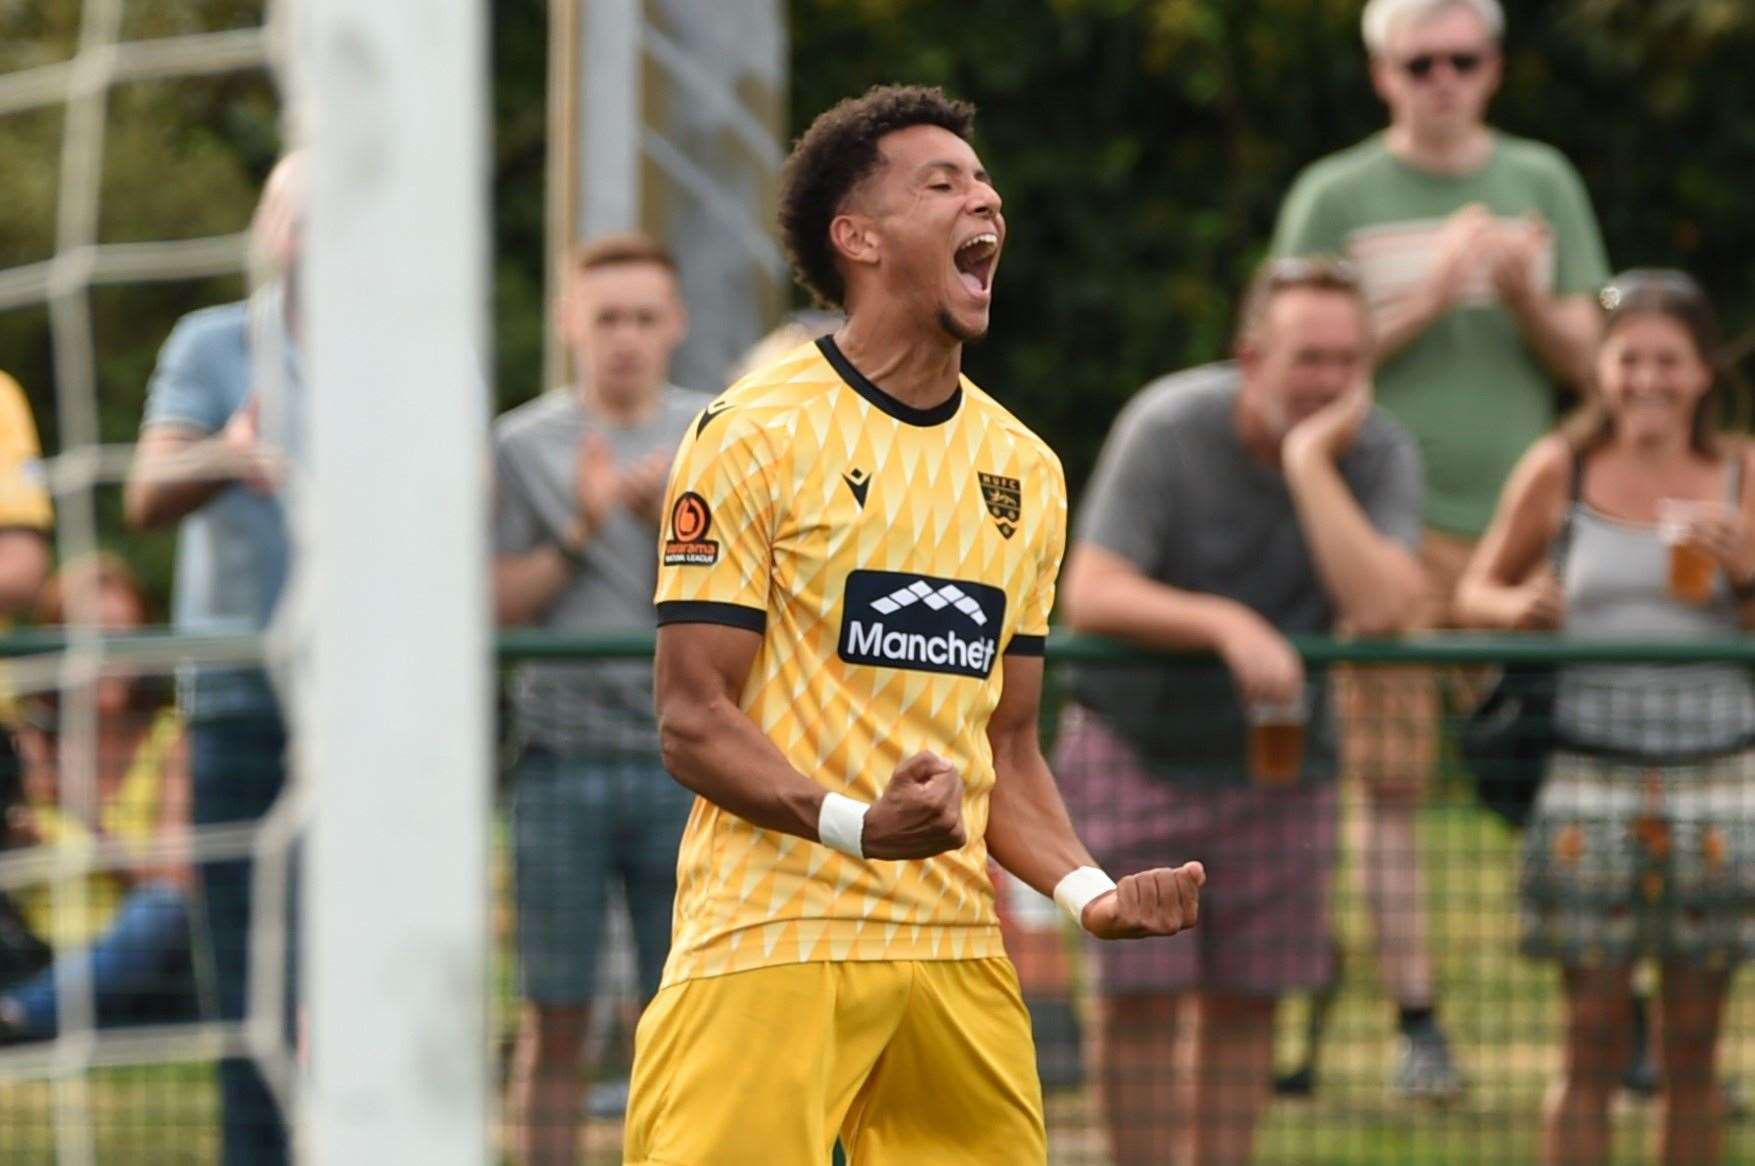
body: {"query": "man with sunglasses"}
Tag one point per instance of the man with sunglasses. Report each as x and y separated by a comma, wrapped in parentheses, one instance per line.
(1479, 253)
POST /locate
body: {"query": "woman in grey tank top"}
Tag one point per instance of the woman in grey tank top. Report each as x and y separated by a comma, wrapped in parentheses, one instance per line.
(1643, 839)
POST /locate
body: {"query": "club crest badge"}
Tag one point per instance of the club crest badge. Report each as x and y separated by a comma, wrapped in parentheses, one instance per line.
(1004, 498)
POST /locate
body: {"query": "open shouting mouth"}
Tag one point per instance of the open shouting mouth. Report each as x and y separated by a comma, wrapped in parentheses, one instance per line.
(975, 258)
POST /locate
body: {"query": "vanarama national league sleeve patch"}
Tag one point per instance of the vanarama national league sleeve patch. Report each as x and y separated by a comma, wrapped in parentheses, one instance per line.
(691, 520)
(715, 546)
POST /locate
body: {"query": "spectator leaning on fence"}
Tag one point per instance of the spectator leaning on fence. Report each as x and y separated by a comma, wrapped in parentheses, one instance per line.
(1633, 522)
(1478, 252)
(221, 420)
(135, 927)
(580, 475)
(1233, 505)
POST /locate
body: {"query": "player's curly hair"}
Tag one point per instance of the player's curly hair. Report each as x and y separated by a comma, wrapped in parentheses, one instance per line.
(836, 154)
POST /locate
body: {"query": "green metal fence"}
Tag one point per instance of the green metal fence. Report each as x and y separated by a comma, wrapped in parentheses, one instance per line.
(1502, 1011)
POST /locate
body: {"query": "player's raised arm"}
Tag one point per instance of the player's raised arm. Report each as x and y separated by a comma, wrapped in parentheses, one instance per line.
(1030, 834)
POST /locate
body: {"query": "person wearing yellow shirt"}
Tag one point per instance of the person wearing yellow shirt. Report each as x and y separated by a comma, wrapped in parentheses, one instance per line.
(133, 926)
(26, 515)
(26, 519)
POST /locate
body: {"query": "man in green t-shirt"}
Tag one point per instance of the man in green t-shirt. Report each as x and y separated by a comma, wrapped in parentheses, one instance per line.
(1480, 256)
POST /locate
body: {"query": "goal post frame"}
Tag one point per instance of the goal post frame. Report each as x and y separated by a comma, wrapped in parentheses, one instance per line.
(391, 725)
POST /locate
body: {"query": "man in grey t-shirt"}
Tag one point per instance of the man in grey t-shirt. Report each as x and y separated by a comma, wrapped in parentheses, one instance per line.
(580, 476)
(1233, 504)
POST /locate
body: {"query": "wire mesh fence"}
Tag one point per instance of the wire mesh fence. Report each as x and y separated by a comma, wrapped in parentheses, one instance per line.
(1446, 900)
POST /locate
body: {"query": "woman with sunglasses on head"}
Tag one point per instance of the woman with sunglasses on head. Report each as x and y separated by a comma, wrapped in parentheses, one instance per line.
(1634, 522)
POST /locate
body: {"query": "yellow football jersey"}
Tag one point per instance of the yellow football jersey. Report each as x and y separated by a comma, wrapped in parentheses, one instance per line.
(24, 490)
(24, 493)
(888, 556)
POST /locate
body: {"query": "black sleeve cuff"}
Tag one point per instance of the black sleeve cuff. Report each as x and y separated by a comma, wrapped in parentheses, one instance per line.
(731, 615)
(1027, 646)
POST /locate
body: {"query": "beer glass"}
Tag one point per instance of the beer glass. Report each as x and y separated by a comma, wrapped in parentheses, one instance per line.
(1692, 570)
(1276, 739)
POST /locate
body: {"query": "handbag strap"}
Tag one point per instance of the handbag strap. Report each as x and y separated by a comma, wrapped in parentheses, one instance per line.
(1562, 543)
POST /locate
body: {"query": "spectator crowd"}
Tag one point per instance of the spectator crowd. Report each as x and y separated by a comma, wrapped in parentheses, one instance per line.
(1381, 454)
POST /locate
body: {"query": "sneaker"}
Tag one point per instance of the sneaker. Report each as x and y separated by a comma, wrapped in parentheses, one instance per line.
(1736, 1105)
(12, 1022)
(1300, 1082)
(1640, 1077)
(1424, 1070)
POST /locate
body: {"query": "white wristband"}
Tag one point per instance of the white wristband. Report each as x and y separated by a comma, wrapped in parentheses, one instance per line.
(841, 824)
(1075, 892)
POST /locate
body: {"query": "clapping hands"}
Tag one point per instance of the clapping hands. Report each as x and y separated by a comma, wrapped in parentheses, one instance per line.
(602, 485)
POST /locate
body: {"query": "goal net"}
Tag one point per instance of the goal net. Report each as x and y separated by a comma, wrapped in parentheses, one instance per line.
(134, 137)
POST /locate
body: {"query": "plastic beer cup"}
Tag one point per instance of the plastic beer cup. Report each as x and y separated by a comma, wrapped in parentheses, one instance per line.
(1276, 740)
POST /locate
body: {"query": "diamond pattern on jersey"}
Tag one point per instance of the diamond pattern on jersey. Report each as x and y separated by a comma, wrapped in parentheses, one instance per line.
(922, 558)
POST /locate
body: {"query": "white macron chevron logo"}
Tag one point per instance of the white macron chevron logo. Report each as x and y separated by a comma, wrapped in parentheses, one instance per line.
(919, 591)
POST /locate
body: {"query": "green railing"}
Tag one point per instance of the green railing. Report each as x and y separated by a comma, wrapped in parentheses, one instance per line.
(1458, 648)
(1502, 1011)
(1438, 648)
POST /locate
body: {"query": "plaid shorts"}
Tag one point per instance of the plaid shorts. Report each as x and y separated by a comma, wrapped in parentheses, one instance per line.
(1269, 856)
(583, 828)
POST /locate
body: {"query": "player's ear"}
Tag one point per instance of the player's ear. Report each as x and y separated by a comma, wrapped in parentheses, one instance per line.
(854, 237)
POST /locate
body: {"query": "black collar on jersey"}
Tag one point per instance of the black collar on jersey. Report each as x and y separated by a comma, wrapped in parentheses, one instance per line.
(856, 380)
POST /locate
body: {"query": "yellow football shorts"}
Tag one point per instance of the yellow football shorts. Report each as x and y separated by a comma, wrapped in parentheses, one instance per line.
(910, 1062)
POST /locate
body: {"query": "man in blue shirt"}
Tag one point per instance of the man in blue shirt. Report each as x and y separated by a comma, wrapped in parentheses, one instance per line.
(225, 375)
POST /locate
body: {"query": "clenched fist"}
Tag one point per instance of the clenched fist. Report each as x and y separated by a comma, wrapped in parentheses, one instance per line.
(920, 813)
(1152, 902)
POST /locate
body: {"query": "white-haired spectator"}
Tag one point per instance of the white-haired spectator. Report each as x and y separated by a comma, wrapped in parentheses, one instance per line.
(1380, 18)
(1479, 254)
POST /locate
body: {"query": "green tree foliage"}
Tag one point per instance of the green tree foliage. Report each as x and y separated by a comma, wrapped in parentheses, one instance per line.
(186, 159)
(181, 160)
(1142, 149)
(520, 59)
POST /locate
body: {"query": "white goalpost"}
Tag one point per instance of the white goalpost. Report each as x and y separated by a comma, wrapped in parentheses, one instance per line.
(394, 726)
(385, 638)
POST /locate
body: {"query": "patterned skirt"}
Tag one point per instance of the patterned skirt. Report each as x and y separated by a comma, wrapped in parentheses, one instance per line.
(1624, 861)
